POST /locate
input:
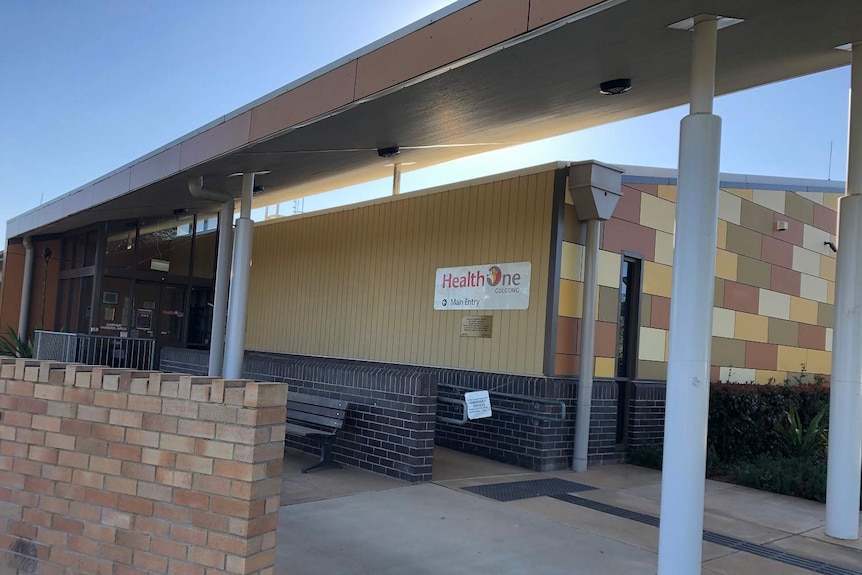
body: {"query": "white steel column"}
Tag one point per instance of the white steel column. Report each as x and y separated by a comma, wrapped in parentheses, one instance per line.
(684, 467)
(222, 288)
(396, 179)
(845, 397)
(26, 285)
(588, 345)
(241, 270)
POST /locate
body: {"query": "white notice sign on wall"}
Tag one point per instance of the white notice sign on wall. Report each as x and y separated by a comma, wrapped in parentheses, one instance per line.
(488, 286)
(478, 404)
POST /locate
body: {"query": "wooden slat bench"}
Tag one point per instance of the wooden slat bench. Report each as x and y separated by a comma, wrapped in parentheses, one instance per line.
(316, 417)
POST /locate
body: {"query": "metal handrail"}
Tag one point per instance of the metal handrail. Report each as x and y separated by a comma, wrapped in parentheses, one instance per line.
(452, 420)
(512, 396)
(92, 349)
(92, 335)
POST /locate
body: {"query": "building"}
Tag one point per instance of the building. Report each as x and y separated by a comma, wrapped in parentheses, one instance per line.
(369, 293)
(136, 248)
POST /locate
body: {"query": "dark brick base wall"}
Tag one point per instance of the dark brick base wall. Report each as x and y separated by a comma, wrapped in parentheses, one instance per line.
(390, 421)
(524, 440)
(603, 424)
(646, 413)
(392, 425)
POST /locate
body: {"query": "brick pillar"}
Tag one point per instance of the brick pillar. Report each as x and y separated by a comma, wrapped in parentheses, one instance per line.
(117, 472)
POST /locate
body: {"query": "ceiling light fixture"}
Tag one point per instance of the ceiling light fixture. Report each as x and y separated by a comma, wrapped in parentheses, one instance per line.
(260, 173)
(688, 24)
(389, 152)
(614, 87)
(848, 47)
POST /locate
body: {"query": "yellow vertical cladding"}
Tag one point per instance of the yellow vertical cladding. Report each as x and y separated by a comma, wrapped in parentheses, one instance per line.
(359, 282)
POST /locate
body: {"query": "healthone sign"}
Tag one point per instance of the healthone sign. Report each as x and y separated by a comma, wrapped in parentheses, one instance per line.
(488, 286)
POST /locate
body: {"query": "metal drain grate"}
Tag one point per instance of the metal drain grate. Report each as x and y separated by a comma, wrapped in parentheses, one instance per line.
(718, 539)
(528, 489)
(609, 509)
(22, 557)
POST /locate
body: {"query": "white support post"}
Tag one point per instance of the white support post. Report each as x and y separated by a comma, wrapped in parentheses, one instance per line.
(222, 288)
(684, 466)
(588, 346)
(844, 463)
(26, 288)
(241, 270)
(396, 179)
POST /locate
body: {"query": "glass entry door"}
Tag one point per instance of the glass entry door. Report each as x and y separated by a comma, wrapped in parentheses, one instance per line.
(159, 313)
(172, 317)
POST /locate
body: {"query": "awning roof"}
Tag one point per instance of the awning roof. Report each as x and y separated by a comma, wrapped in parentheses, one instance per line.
(477, 76)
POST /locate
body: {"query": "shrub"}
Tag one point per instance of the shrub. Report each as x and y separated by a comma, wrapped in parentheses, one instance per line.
(15, 345)
(645, 456)
(800, 477)
(802, 440)
(746, 421)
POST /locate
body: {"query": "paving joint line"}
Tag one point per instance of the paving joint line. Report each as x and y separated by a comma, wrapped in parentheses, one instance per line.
(813, 565)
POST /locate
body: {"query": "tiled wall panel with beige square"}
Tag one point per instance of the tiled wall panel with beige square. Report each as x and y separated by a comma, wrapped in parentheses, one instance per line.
(774, 279)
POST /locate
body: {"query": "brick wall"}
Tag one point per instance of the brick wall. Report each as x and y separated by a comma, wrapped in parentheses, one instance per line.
(537, 443)
(603, 423)
(106, 471)
(389, 427)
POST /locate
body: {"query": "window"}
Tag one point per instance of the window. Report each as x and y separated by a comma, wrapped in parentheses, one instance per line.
(628, 329)
(79, 251)
(206, 234)
(120, 245)
(166, 245)
(629, 315)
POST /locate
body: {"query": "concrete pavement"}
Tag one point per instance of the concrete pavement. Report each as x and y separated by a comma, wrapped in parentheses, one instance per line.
(351, 522)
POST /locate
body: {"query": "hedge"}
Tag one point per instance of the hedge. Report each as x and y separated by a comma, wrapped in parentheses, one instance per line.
(745, 444)
(744, 419)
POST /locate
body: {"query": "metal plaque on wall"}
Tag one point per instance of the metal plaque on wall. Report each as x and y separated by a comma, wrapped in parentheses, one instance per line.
(476, 325)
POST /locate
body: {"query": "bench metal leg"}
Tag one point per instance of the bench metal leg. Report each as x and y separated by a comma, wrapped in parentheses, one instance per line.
(325, 456)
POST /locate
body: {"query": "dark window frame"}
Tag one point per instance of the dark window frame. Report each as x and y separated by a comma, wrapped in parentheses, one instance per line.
(632, 345)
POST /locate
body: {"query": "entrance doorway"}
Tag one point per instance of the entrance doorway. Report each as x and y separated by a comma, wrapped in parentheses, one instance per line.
(160, 313)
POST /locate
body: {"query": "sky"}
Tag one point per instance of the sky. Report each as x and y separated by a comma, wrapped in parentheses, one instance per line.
(90, 86)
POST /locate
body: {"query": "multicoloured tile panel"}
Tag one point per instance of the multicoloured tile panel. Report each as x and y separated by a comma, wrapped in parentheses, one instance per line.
(774, 273)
